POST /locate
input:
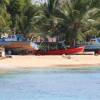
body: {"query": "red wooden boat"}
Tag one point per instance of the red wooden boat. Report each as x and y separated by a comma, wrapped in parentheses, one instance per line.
(76, 50)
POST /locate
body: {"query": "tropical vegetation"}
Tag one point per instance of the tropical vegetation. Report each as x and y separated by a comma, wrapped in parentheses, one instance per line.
(69, 20)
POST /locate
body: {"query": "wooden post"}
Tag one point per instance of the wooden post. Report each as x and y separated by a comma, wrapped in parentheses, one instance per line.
(2, 52)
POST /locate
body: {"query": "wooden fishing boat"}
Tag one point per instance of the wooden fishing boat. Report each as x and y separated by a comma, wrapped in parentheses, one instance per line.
(14, 45)
(18, 43)
(76, 50)
(93, 45)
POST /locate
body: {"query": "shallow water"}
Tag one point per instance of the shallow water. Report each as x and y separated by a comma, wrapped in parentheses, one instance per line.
(51, 84)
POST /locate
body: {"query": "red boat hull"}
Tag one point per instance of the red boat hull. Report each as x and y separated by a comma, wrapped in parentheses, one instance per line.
(77, 50)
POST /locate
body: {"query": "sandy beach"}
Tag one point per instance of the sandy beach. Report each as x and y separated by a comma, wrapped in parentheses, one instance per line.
(62, 61)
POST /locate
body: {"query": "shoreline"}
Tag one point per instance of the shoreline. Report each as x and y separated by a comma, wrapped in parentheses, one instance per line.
(61, 61)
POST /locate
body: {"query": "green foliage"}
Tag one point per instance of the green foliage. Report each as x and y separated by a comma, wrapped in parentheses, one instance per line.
(16, 7)
(69, 20)
(72, 18)
(21, 12)
(5, 20)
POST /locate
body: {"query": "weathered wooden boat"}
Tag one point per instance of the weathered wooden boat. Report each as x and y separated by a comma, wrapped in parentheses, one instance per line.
(76, 50)
(18, 43)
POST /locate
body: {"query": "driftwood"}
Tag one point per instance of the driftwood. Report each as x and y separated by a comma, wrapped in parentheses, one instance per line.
(66, 56)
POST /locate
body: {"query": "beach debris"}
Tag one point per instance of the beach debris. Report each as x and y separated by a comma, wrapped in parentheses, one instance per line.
(66, 56)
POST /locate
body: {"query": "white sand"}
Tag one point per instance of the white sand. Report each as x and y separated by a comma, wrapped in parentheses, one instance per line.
(32, 61)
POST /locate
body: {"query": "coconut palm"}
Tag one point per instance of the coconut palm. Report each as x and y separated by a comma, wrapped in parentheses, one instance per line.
(79, 13)
(69, 18)
(21, 12)
(4, 3)
(4, 16)
(44, 20)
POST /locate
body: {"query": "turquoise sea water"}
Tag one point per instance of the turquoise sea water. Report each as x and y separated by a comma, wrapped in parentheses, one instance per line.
(51, 84)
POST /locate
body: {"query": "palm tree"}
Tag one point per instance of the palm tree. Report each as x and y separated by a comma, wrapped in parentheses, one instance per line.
(21, 12)
(78, 13)
(44, 20)
(70, 18)
(4, 16)
(4, 3)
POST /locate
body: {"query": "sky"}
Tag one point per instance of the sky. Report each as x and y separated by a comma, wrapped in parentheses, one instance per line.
(38, 1)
